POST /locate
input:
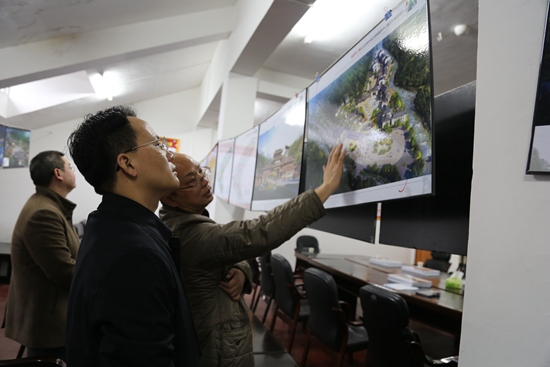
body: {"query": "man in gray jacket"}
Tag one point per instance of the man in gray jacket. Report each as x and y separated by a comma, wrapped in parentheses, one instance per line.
(209, 250)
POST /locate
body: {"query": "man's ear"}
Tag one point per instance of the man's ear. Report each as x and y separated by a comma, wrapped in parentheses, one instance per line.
(124, 161)
(57, 174)
(169, 201)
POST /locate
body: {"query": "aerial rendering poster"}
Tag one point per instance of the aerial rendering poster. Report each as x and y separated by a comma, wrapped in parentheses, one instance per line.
(244, 164)
(539, 154)
(280, 155)
(377, 100)
(210, 162)
(16, 148)
(224, 164)
(2, 140)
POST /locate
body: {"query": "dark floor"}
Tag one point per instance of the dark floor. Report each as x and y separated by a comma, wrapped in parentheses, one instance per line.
(435, 343)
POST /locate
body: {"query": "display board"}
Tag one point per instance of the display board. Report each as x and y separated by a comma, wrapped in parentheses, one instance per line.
(538, 161)
(377, 100)
(224, 165)
(279, 161)
(16, 148)
(244, 165)
(356, 221)
(440, 222)
(2, 142)
(210, 161)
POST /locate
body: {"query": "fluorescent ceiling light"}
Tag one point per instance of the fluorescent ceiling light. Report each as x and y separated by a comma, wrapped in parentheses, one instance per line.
(327, 19)
(106, 85)
(39, 94)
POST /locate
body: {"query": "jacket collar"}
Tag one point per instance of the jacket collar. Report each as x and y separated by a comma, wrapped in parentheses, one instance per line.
(65, 205)
(120, 205)
(165, 209)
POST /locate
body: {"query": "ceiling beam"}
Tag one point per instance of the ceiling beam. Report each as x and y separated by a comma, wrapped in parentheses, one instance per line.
(68, 54)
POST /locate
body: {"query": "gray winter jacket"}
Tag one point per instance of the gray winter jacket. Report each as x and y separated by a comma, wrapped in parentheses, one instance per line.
(209, 250)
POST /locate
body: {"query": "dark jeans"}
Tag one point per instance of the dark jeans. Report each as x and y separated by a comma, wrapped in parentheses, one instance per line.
(50, 352)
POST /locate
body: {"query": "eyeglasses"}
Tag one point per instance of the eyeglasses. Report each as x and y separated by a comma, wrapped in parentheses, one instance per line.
(162, 144)
(204, 175)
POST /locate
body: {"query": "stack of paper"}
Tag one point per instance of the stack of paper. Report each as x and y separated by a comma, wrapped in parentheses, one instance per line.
(420, 271)
(386, 262)
(409, 280)
(400, 287)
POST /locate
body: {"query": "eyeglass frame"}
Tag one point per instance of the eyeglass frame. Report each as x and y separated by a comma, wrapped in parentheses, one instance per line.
(163, 146)
(205, 175)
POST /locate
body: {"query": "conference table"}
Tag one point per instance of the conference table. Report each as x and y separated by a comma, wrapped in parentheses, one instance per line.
(351, 272)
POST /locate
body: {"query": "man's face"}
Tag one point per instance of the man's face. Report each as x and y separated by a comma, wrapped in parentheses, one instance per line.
(156, 173)
(194, 192)
(69, 178)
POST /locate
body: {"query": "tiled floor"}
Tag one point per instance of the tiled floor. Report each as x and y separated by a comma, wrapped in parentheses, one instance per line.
(435, 343)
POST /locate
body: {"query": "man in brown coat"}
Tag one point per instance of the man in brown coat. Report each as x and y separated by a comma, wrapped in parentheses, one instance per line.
(44, 246)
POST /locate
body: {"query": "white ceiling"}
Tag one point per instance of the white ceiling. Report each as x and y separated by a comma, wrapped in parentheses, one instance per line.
(165, 46)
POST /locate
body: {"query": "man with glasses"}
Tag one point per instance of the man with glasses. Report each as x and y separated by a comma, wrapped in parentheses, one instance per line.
(127, 306)
(210, 250)
(44, 246)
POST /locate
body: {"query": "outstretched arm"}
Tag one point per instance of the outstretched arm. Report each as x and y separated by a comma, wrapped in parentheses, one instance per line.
(332, 173)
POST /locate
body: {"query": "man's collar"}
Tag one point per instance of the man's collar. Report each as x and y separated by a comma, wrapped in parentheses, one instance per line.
(134, 211)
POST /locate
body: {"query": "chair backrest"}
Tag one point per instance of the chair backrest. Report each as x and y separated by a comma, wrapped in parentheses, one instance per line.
(34, 361)
(266, 275)
(439, 261)
(283, 276)
(303, 243)
(254, 269)
(386, 318)
(80, 227)
(322, 296)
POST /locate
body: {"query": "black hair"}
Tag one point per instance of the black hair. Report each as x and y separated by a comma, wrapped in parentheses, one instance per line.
(43, 165)
(96, 143)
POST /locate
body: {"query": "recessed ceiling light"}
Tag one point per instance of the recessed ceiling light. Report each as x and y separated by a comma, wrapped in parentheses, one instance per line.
(461, 29)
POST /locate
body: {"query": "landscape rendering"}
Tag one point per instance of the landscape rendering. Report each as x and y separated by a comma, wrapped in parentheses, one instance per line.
(380, 109)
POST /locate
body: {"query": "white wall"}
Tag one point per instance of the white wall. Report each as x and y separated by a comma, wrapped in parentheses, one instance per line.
(172, 115)
(506, 319)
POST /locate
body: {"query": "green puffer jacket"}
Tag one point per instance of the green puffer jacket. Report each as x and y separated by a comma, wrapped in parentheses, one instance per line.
(209, 250)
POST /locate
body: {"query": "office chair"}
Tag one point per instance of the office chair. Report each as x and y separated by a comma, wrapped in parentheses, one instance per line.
(290, 304)
(391, 342)
(80, 227)
(267, 284)
(328, 322)
(303, 245)
(255, 270)
(34, 361)
(439, 261)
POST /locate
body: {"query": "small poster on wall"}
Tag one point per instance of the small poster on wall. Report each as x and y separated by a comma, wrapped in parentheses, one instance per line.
(173, 145)
(16, 148)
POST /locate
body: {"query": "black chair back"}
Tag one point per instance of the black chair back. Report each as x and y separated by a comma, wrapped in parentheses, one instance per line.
(322, 295)
(283, 276)
(34, 362)
(439, 261)
(386, 318)
(303, 243)
(266, 277)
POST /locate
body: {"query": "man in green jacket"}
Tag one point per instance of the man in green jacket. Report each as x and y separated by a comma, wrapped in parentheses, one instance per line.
(44, 246)
(209, 250)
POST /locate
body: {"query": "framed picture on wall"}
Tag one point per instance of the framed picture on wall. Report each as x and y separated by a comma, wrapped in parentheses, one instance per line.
(539, 151)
